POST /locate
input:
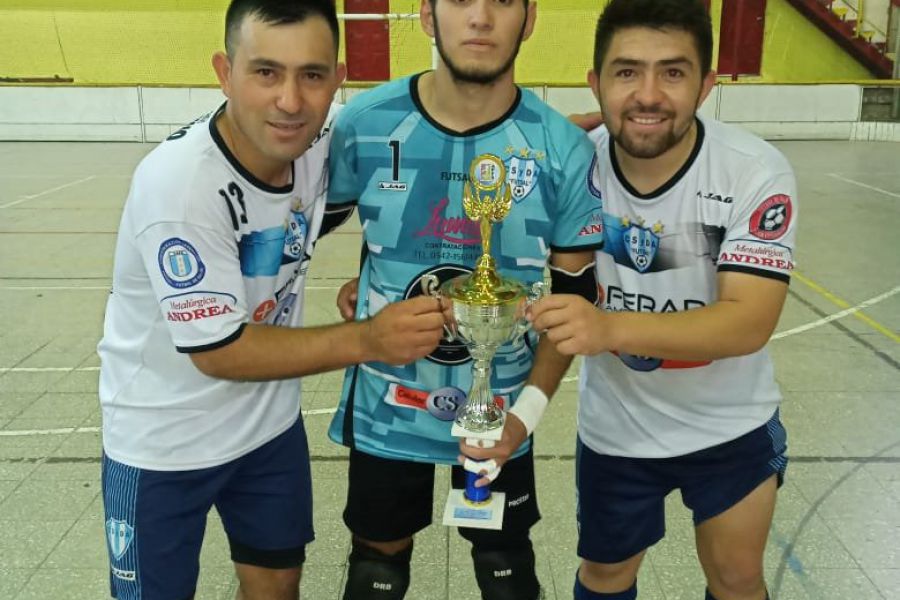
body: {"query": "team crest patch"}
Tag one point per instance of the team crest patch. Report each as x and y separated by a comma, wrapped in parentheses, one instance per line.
(119, 535)
(641, 242)
(180, 263)
(296, 230)
(771, 218)
(522, 176)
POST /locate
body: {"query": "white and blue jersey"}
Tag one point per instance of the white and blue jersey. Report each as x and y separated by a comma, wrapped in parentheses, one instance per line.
(406, 174)
(204, 248)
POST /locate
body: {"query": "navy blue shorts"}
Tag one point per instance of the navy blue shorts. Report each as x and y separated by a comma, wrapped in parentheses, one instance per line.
(155, 520)
(621, 507)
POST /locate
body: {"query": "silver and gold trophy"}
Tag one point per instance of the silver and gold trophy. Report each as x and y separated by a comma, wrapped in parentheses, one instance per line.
(488, 311)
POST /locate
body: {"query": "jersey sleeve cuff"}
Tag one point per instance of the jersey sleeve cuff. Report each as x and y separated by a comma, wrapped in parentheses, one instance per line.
(758, 272)
(215, 345)
(566, 249)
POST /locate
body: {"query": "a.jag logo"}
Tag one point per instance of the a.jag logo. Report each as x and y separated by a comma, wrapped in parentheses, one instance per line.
(180, 263)
(119, 535)
(641, 242)
(522, 176)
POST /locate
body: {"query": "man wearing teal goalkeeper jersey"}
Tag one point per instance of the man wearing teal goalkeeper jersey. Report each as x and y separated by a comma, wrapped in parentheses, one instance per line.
(401, 155)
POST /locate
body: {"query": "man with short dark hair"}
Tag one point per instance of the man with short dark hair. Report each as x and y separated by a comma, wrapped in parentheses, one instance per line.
(202, 347)
(677, 389)
(402, 154)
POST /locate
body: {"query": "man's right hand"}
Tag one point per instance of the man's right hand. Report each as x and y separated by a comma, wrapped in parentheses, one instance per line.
(346, 299)
(404, 331)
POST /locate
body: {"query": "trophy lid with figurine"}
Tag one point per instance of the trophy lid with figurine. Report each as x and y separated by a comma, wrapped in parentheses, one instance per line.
(487, 199)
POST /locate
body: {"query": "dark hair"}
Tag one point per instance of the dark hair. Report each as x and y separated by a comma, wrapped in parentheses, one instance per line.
(277, 12)
(687, 15)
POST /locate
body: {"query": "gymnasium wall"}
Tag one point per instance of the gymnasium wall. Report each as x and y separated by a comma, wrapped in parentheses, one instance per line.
(169, 42)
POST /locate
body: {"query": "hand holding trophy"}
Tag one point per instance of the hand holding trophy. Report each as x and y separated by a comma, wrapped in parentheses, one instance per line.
(488, 312)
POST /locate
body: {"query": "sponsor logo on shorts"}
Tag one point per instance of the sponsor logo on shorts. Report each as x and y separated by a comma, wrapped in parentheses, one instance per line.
(123, 575)
(771, 219)
(180, 264)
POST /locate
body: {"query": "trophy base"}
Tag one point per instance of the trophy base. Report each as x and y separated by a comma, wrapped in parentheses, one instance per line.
(459, 512)
(492, 434)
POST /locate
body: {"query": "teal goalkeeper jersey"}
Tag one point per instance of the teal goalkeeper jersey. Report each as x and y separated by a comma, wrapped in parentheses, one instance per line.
(405, 173)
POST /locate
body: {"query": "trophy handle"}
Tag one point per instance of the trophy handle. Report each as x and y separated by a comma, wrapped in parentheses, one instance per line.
(431, 286)
(538, 291)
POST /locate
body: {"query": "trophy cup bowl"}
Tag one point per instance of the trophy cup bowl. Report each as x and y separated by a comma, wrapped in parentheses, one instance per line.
(485, 317)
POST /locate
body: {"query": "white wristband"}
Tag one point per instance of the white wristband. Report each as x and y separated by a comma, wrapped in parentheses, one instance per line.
(530, 406)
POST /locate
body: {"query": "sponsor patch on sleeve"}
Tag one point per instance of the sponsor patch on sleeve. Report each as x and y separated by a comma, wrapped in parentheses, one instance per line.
(771, 219)
(197, 306)
(180, 264)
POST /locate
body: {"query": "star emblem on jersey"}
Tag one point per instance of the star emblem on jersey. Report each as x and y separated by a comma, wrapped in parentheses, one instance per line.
(521, 175)
(641, 242)
(296, 228)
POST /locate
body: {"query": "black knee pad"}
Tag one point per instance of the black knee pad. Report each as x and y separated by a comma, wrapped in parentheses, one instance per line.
(506, 573)
(376, 576)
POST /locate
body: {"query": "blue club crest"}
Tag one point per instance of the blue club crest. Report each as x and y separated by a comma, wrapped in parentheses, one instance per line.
(641, 243)
(119, 535)
(295, 235)
(522, 176)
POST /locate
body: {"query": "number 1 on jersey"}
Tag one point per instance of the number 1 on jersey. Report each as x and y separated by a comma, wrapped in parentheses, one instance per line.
(395, 159)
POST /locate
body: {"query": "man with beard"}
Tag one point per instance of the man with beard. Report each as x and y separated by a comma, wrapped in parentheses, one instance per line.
(402, 154)
(677, 388)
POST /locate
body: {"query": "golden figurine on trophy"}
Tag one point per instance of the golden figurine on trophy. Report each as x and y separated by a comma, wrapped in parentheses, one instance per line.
(488, 312)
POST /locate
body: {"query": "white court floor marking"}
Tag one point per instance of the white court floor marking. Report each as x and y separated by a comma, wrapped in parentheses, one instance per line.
(45, 192)
(94, 288)
(69, 430)
(837, 315)
(328, 411)
(860, 184)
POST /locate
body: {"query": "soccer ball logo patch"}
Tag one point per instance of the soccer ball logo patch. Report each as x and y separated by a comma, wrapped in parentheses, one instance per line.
(771, 219)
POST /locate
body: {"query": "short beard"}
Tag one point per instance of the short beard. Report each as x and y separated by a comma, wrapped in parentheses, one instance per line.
(460, 75)
(647, 148)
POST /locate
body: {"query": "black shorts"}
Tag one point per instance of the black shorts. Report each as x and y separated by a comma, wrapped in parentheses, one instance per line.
(389, 500)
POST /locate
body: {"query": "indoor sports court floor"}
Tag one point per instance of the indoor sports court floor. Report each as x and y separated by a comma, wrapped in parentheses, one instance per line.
(836, 534)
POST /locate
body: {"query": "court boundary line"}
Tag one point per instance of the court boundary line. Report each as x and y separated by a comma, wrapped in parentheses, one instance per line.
(863, 185)
(45, 192)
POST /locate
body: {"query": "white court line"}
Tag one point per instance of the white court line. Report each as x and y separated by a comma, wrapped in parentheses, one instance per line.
(777, 336)
(68, 430)
(837, 315)
(45, 192)
(47, 369)
(63, 288)
(859, 183)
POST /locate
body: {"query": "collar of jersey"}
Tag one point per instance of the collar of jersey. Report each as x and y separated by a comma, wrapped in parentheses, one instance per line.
(673, 181)
(234, 162)
(417, 100)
